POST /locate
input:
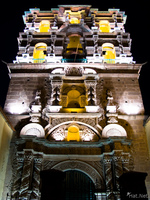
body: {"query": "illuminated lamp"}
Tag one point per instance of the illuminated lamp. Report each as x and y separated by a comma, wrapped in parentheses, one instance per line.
(33, 129)
(39, 52)
(73, 133)
(104, 26)
(44, 26)
(109, 53)
(74, 20)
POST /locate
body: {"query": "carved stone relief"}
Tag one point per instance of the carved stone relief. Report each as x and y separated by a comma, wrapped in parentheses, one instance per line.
(86, 134)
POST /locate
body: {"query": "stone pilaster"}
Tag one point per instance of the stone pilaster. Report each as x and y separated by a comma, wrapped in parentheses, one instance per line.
(36, 177)
(17, 175)
(118, 171)
(25, 189)
(108, 174)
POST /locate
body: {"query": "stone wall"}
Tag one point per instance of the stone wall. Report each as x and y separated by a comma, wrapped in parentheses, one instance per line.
(22, 91)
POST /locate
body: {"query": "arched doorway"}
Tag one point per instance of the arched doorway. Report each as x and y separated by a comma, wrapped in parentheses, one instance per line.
(78, 186)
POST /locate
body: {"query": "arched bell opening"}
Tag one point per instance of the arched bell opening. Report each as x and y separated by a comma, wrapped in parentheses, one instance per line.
(74, 51)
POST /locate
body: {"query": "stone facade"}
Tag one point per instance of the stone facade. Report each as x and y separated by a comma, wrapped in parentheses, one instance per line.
(79, 106)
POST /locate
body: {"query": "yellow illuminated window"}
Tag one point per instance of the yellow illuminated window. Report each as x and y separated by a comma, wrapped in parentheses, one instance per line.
(104, 26)
(74, 45)
(44, 26)
(109, 53)
(39, 52)
(74, 20)
(73, 133)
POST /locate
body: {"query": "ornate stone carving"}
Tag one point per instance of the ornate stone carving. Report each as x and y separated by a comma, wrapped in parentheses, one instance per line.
(118, 170)
(73, 71)
(108, 172)
(86, 133)
(26, 180)
(17, 173)
(59, 133)
(36, 177)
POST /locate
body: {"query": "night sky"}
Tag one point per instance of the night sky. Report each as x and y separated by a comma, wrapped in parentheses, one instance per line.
(138, 25)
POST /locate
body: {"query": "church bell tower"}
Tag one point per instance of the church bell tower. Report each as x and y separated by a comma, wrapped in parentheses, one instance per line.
(76, 106)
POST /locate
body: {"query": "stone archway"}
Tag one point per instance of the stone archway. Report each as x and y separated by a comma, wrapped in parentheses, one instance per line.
(84, 167)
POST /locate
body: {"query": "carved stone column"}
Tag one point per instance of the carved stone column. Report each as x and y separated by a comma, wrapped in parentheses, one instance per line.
(25, 189)
(17, 173)
(117, 159)
(36, 177)
(108, 175)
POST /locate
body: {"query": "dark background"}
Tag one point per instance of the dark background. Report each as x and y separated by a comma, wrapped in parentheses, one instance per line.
(138, 25)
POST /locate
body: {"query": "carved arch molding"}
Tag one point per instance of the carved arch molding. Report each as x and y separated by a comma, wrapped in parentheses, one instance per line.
(84, 167)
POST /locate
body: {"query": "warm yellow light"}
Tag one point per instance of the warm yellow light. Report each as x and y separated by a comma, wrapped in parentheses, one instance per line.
(74, 20)
(18, 108)
(109, 53)
(44, 26)
(104, 26)
(39, 52)
(130, 108)
(74, 45)
(73, 110)
(73, 134)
